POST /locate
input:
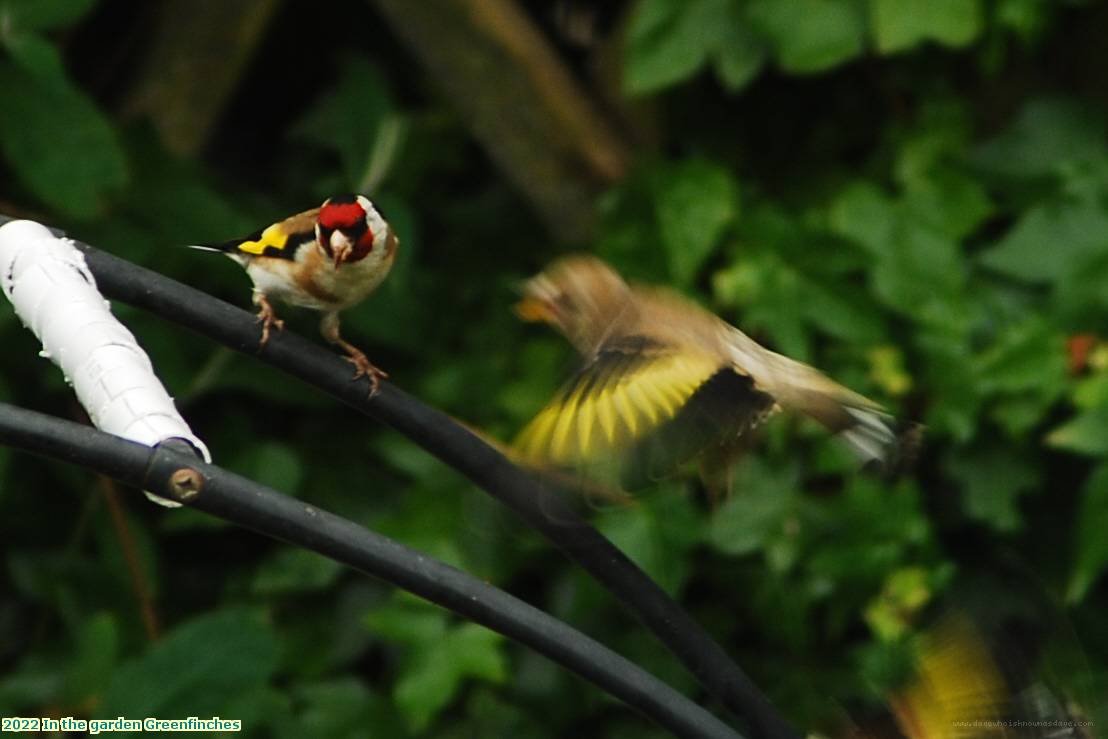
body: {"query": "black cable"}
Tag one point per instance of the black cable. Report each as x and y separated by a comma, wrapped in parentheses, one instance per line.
(180, 476)
(540, 507)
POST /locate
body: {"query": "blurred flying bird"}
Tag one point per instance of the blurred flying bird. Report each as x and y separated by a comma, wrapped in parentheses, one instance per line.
(664, 380)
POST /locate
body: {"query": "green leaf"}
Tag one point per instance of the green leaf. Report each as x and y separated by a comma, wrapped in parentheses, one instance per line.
(344, 707)
(407, 621)
(195, 669)
(950, 202)
(695, 201)
(809, 36)
(670, 40)
(294, 571)
(921, 274)
(841, 313)
(265, 711)
(1027, 367)
(1091, 392)
(917, 266)
(173, 201)
(955, 384)
(992, 480)
(629, 237)
(902, 24)
(866, 214)
(1025, 18)
(1027, 356)
(41, 15)
(764, 500)
(741, 54)
(435, 675)
(1086, 433)
(1048, 240)
(867, 532)
(95, 656)
(936, 141)
(646, 533)
(886, 370)
(1091, 555)
(38, 56)
(905, 592)
(355, 121)
(1048, 136)
(57, 142)
(273, 464)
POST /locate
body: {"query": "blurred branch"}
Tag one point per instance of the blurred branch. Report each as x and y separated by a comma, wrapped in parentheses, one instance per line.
(180, 476)
(199, 50)
(128, 548)
(537, 504)
(147, 610)
(521, 102)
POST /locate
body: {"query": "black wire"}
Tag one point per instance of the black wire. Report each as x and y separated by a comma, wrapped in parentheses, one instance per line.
(541, 507)
(266, 511)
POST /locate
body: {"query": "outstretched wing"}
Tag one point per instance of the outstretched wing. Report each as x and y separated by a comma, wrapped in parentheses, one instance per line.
(643, 406)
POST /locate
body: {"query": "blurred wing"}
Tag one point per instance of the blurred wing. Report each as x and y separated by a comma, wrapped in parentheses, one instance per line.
(641, 404)
(958, 691)
(709, 426)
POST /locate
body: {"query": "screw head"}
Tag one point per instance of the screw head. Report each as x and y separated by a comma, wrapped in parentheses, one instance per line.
(185, 483)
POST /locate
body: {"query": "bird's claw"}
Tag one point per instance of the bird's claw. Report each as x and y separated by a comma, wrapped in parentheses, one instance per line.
(268, 318)
(363, 367)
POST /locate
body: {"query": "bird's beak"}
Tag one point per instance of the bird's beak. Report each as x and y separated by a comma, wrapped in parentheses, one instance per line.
(341, 247)
(537, 303)
(532, 309)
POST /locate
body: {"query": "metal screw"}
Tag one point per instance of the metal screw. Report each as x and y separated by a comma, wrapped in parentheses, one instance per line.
(185, 483)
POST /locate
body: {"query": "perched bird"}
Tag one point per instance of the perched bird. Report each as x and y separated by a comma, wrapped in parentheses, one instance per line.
(328, 259)
(664, 380)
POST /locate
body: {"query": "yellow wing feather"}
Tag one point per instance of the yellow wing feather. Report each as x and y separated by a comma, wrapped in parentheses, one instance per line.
(586, 420)
(958, 693)
(274, 236)
(597, 417)
(606, 418)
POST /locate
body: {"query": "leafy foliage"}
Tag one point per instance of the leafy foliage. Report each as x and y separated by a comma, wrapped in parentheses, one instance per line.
(883, 188)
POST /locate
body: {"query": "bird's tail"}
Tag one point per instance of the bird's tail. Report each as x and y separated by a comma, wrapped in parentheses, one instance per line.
(879, 440)
(206, 247)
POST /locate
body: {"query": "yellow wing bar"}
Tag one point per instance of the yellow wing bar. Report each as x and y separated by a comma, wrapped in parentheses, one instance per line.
(274, 237)
(613, 403)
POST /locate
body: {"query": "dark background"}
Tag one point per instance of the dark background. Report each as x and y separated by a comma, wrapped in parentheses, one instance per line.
(911, 195)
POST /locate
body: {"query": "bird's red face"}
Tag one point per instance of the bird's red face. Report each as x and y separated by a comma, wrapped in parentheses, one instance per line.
(344, 228)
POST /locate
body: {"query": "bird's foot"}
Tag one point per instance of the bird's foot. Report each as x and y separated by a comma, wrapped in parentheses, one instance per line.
(268, 318)
(363, 367)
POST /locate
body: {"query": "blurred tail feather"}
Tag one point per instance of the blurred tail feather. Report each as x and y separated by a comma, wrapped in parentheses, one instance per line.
(880, 441)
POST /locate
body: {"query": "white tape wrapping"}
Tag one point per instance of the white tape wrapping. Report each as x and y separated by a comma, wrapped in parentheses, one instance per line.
(55, 296)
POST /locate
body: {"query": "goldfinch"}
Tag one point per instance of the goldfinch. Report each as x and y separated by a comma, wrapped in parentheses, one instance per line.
(664, 380)
(328, 259)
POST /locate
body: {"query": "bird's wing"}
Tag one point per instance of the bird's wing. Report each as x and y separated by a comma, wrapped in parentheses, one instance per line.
(280, 240)
(958, 688)
(643, 405)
